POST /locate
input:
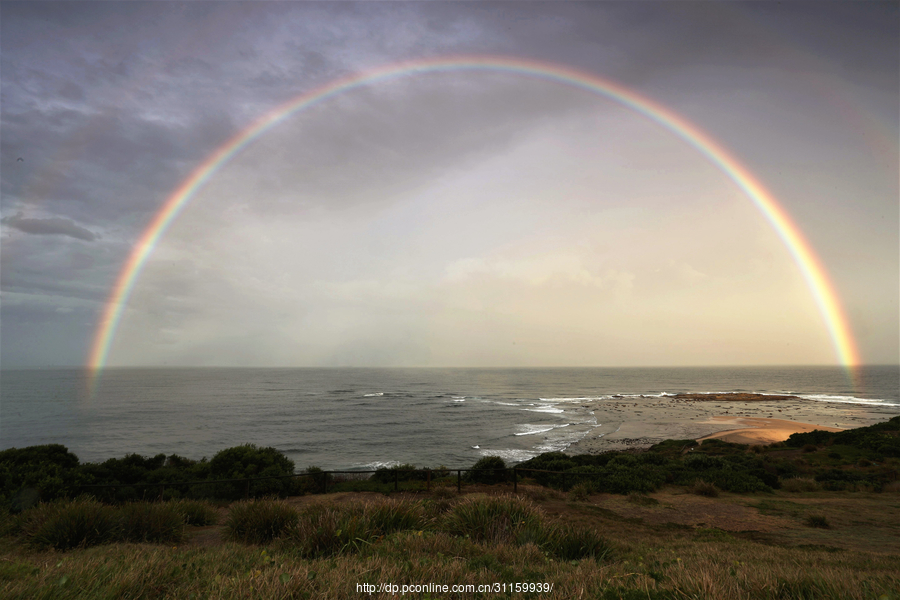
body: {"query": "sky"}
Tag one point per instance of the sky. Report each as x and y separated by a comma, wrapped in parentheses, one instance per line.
(446, 218)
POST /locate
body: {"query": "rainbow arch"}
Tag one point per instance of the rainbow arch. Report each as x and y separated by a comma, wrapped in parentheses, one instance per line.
(799, 248)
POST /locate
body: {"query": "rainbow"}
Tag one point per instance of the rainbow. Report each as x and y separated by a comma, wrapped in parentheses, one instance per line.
(811, 268)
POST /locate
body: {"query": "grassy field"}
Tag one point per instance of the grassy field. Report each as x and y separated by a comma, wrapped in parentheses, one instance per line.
(672, 543)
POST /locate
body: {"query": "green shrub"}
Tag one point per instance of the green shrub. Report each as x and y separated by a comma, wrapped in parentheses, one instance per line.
(150, 522)
(196, 512)
(70, 524)
(249, 461)
(259, 521)
(401, 472)
(36, 473)
(496, 519)
(490, 470)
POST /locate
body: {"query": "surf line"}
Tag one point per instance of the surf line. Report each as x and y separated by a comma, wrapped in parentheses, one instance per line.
(801, 251)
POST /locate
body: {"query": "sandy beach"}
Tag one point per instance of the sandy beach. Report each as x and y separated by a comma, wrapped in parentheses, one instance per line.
(761, 430)
(640, 422)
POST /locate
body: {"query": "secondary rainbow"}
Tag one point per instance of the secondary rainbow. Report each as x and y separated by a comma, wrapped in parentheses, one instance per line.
(810, 267)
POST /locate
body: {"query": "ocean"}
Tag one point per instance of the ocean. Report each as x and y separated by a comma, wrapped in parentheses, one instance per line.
(366, 418)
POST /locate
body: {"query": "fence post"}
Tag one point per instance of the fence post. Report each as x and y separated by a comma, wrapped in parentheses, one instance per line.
(247, 490)
(515, 481)
(162, 491)
(324, 482)
(428, 479)
(395, 480)
(564, 481)
(459, 481)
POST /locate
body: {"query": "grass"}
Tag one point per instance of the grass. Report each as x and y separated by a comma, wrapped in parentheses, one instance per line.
(196, 512)
(150, 522)
(818, 521)
(550, 540)
(259, 521)
(66, 525)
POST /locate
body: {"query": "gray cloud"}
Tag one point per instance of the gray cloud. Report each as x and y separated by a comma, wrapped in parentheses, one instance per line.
(49, 226)
(112, 105)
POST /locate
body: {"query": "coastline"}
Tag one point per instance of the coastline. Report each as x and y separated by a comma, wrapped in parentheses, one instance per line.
(626, 423)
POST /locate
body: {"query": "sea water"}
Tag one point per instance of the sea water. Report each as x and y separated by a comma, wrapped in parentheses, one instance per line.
(366, 418)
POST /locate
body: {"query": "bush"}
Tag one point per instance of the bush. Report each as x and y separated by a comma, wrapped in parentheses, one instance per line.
(150, 522)
(702, 488)
(36, 473)
(249, 461)
(259, 521)
(196, 512)
(496, 520)
(401, 472)
(70, 524)
(490, 470)
(809, 448)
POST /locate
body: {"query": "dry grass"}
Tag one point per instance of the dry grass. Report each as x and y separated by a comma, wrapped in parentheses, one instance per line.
(650, 560)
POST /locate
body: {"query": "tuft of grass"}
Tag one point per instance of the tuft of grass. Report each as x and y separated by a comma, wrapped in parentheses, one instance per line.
(150, 522)
(566, 542)
(196, 512)
(69, 524)
(492, 519)
(702, 488)
(579, 492)
(389, 517)
(324, 530)
(818, 521)
(800, 484)
(642, 499)
(809, 448)
(443, 492)
(259, 521)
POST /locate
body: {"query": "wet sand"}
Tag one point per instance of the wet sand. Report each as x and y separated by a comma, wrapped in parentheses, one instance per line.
(630, 422)
(761, 431)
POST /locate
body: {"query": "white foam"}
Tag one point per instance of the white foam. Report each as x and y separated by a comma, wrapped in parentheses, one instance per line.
(847, 400)
(378, 465)
(459, 399)
(374, 394)
(545, 408)
(536, 429)
(579, 399)
(511, 455)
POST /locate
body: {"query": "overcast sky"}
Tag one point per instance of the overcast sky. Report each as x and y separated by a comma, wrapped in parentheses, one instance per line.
(446, 219)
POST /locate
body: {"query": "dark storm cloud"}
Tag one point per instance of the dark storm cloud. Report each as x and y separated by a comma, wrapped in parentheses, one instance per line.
(49, 226)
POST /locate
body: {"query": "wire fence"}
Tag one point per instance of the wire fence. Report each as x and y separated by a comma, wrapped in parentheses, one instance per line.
(321, 481)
